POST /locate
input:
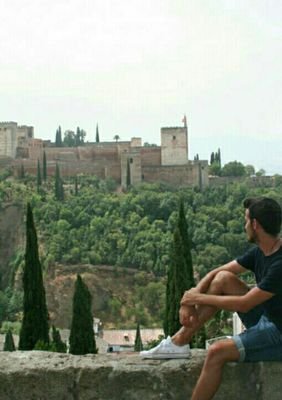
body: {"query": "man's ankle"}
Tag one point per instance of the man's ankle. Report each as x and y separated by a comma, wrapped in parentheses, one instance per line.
(178, 341)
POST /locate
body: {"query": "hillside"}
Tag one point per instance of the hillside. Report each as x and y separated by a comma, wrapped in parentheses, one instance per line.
(11, 237)
(117, 295)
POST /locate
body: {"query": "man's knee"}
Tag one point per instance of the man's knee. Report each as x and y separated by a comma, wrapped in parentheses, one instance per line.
(215, 354)
(221, 280)
(224, 276)
(221, 352)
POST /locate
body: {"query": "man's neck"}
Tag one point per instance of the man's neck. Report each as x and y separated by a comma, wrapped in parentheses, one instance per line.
(269, 244)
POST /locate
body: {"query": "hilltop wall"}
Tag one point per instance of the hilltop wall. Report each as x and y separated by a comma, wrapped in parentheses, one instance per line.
(127, 162)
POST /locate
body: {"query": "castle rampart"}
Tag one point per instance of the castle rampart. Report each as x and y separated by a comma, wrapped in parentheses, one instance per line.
(124, 161)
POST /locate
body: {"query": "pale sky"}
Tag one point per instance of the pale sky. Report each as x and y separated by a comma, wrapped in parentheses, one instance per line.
(134, 66)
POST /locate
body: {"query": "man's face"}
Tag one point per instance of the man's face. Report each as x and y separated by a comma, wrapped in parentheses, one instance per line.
(251, 234)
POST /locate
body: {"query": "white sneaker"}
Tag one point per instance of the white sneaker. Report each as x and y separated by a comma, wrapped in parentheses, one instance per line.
(167, 349)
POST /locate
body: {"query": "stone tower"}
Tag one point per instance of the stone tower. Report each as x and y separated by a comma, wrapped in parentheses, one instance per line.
(10, 135)
(174, 146)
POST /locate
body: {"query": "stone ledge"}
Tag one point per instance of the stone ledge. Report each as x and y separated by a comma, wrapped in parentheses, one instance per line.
(38, 375)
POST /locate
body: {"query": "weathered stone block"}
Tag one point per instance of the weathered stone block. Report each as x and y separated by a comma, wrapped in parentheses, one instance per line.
(38, 375)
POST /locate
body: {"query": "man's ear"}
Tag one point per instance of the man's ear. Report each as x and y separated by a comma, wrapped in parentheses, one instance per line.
(256, 225)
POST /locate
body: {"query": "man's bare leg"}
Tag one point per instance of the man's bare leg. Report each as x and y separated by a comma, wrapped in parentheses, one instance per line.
(224, 283)
(218, 354)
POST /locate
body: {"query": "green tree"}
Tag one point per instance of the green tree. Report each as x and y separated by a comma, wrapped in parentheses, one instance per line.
(180, 275)
(260, 172)
(82, 339)
(9, 344)
(233, 168)
(218, 157)
(35, 315)
(212, 158)
(44, 170)
(69, 138)
(59, 189)
(22, 172)
(173, 291)
(183, 229)
(97, 134)
(128, 177)
(39, 178)
(215, 169)
(116, 138)
(76, 186)
(138, 345)
(58, 140)
(58, 344)
(250, 170)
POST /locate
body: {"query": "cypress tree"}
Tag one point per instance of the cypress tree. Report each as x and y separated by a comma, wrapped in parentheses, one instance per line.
(138, 345)
(59, 345)
(44, 166)
(58, 140)
(219, 157)
(22, 172)
(128, 178)
(39, 179)
(9, 344)
(175, 285)
(77, 137)
(82, 339)
(180, 273)
(186, 241)
(97, 134)
(35, 315)
(59, 189)
(212, 158)
(76, 186)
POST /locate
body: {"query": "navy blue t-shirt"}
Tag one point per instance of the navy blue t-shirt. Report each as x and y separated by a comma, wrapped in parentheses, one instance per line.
(268, 273)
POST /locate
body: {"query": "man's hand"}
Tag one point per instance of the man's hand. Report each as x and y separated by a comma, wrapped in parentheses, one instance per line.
(190, 297)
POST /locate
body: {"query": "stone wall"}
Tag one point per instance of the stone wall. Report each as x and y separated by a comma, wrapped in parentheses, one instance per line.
(191, 174)
(40, 375)
(150, 156)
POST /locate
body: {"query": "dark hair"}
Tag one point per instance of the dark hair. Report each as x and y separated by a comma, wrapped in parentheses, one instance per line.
(267, 212)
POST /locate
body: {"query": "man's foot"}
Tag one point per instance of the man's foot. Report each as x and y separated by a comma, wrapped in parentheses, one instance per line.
(167, 349)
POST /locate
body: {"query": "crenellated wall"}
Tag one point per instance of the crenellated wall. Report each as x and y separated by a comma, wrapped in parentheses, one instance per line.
(37, 375)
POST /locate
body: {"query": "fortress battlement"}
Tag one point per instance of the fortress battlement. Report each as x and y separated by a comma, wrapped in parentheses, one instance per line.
(127, 162)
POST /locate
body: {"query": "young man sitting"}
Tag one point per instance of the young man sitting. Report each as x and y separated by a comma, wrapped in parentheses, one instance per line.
(259, 308)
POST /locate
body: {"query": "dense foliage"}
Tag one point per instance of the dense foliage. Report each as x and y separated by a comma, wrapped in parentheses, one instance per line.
(98, 224)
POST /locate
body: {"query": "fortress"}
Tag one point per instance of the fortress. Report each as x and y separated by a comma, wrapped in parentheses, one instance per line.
(127, 162)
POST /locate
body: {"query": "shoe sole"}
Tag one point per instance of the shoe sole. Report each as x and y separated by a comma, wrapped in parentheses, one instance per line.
(166, 356)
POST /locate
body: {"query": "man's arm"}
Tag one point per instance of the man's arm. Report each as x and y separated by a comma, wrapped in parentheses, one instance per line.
(230, 303)
(232, 266)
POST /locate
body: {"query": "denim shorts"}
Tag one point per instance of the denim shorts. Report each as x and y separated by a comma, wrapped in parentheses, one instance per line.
(261, 341)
